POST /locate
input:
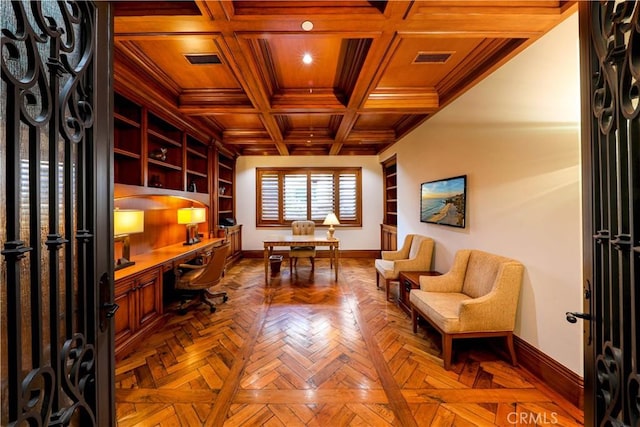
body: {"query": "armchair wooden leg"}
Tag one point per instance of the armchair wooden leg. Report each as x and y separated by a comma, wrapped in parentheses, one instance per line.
(387, 285)
(447, 345)
(377, 280)
(312, 263)
(414, 319)
(512, 349)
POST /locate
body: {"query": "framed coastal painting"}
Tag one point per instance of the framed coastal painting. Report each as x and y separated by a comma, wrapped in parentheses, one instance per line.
(444, 201)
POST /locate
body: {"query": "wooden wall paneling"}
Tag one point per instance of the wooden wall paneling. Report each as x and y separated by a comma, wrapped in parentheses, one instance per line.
(161, 226)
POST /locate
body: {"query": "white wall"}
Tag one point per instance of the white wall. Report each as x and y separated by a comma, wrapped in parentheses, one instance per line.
(516, 137)
(351, 238)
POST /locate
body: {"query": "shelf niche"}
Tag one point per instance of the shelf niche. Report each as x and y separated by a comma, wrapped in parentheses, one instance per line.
(388, 228)
(151, 152)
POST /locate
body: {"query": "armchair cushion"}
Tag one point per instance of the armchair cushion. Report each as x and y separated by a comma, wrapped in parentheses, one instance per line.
(443, 307)
(385, 267)
(481, 273)
(302, 251)
(416, 243)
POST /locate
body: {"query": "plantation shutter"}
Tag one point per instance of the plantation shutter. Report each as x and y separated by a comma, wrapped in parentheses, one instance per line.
(295, 196)
(322, 195)
(287, 194)
(270, 202)
(348, 198)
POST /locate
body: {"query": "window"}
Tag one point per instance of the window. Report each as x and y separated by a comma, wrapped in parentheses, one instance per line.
(290, 194)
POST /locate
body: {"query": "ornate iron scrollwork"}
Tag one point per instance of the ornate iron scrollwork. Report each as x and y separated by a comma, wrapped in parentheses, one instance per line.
(78, 381)
(615, 90)
(37, 390)
(633, 391)
(47, 65)
(608, 366)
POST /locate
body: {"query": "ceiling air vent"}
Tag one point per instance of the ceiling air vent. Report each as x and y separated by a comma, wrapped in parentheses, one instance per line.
(203, 59)
(432, 57)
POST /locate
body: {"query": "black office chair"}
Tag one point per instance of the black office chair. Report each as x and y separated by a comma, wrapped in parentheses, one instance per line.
(194, 281)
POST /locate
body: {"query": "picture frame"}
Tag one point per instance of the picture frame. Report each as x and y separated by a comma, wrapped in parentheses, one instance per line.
(443, 201)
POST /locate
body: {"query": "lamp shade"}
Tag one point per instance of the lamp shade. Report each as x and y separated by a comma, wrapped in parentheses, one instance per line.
(127, 221)
(191, 215)
(331, 219)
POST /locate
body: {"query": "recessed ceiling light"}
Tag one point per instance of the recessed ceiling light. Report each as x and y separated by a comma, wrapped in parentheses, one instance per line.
(307, 25)
(307, 58)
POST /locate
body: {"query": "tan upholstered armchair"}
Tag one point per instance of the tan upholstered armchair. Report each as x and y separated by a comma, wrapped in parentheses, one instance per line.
(302, 228)
(415, 255)
(478, 297)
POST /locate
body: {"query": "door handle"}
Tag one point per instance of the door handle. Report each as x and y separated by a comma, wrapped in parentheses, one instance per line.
(107, 308)
(572, 316)
(111, 309)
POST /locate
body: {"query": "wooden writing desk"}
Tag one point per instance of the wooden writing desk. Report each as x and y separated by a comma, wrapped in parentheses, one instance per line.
(291, 240)
(138, 290)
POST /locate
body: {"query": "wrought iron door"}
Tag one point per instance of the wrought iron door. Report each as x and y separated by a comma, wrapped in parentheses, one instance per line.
(55, 205)
(610, 61)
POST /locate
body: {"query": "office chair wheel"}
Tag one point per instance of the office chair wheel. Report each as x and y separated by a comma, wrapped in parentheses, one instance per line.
(212, 309)
(225, 298)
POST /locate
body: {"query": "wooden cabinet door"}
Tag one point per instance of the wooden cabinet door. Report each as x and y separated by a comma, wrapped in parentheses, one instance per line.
(234, 236)
(149, 297)
(124, 319)
(140, 301)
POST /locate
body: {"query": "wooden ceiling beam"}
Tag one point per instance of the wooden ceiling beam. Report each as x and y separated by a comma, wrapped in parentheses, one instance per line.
(322, 99)
(369, 136)
(234, 99)
(402, 99)
(254, 89)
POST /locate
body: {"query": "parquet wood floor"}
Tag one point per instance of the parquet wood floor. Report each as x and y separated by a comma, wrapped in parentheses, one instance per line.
(313, 352)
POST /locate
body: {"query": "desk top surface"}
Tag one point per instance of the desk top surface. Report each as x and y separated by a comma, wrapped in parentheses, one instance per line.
(287, 239)
(163, 255)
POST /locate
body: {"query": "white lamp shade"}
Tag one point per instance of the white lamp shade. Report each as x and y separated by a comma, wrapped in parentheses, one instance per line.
(127, 221)
(331, 219)
(191, 215)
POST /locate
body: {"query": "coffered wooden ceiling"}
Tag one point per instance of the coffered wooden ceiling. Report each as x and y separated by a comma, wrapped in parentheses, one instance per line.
(379, 68)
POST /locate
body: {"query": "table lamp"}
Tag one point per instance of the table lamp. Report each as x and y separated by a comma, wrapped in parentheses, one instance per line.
(331, 220)
(191, 217)
(126, 222)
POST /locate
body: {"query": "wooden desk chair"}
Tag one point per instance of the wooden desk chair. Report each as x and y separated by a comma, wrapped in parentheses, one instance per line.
(193, 281)
(302, 228)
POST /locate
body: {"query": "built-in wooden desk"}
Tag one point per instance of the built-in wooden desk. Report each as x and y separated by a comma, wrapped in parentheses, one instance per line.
(166, 257)
(138, 290)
